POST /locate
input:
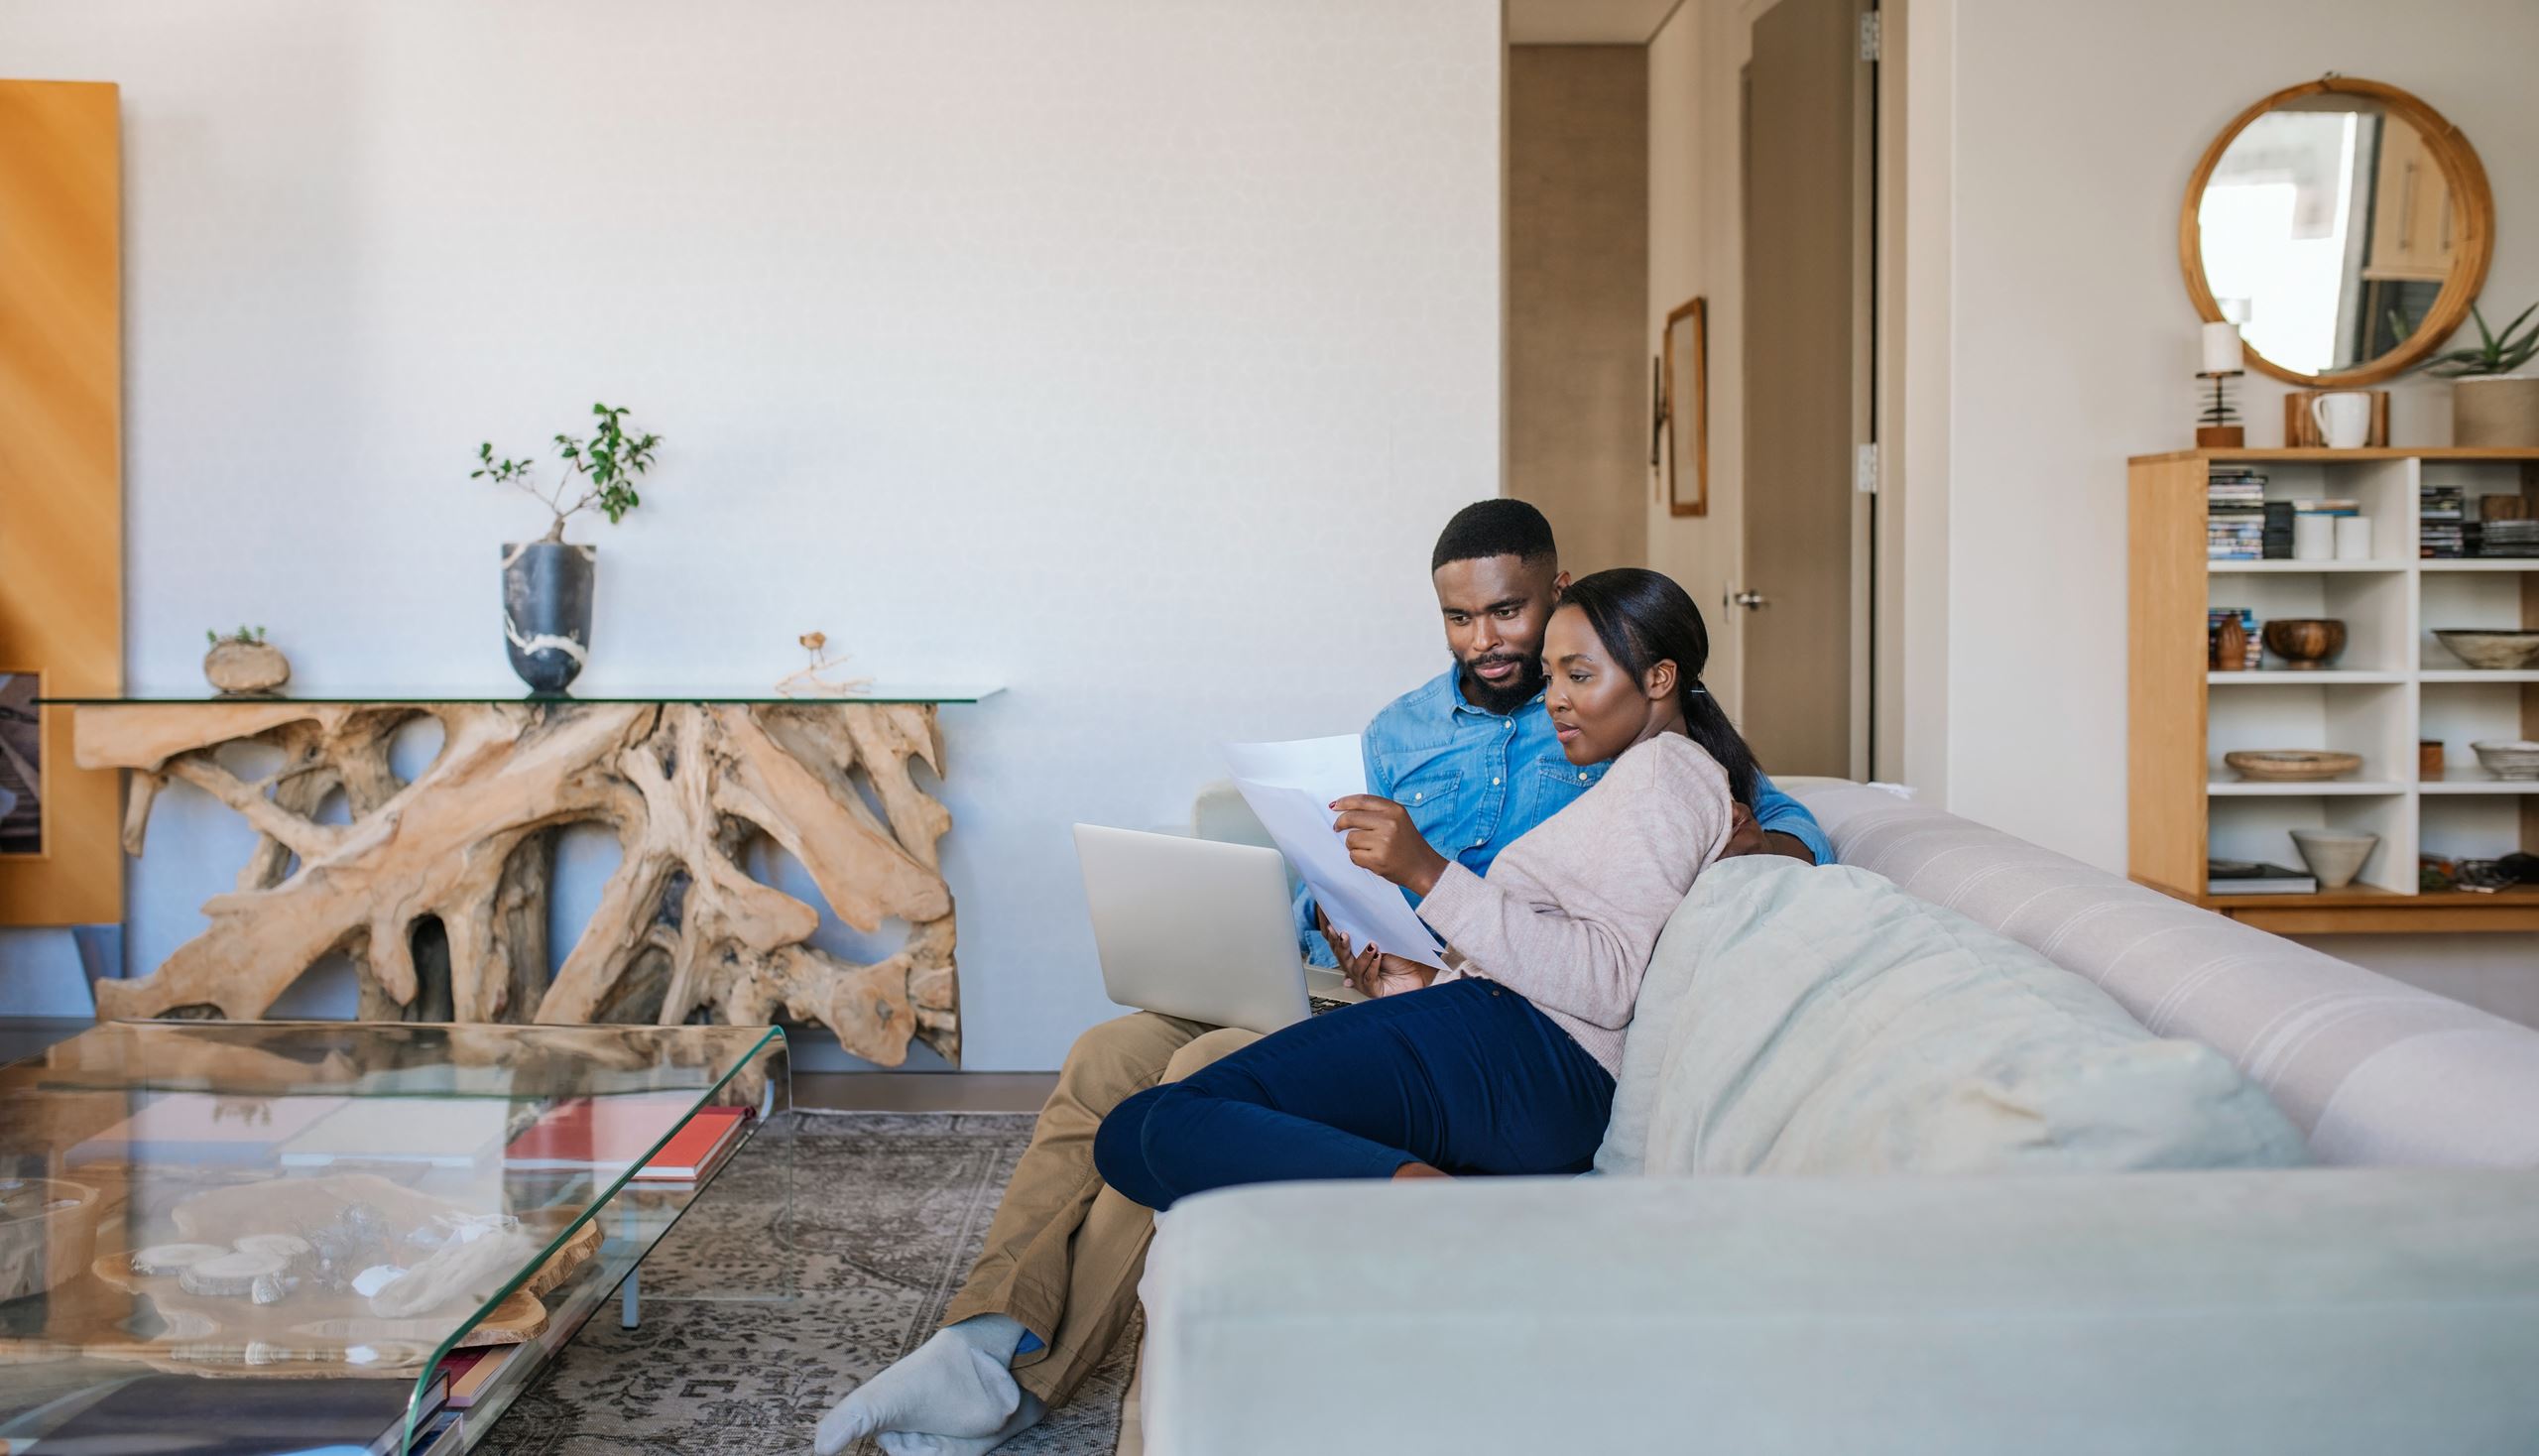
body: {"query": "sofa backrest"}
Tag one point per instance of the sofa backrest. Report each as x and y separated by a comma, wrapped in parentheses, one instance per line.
(2373, 1070)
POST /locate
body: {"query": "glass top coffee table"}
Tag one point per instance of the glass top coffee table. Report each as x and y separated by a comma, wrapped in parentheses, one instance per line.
(342, 1237)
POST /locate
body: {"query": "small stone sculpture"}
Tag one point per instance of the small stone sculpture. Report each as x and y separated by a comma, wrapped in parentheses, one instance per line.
(244, 664)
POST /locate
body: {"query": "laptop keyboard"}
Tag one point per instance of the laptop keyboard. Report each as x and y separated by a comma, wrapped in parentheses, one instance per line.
(1317, 1005)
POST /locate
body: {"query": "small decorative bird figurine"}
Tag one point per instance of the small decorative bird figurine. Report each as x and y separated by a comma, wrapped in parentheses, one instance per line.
(809, 684)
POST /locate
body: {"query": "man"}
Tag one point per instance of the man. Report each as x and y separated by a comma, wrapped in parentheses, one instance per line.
(1473, 757)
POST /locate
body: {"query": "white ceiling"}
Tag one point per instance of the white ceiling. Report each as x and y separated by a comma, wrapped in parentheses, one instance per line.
(1585, 22)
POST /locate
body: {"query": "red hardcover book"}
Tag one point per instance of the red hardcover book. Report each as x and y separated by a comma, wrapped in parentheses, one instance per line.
(596, 1132)
(693, 1151)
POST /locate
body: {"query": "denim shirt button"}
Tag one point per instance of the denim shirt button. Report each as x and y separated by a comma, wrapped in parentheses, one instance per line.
(1493, 783)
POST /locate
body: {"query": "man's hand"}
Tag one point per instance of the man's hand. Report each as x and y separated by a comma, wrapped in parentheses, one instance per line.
(1371, 973)
(1776, 842)
(1382, 838)
(1745, 836)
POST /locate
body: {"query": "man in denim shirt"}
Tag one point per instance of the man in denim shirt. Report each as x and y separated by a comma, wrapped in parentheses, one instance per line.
(1471, 753)
(1473, 757)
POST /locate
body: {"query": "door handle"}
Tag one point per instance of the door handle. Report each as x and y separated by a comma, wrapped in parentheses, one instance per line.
(1750, 600)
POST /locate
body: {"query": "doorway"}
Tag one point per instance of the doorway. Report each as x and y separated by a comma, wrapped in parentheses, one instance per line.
(1803, 604)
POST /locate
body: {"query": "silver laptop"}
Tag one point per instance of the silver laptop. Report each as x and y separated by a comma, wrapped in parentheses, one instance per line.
(1199, 929)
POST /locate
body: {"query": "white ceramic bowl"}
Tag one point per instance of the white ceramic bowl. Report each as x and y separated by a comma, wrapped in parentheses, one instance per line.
(2335, 858)
(2508, 757)
(2497, 651)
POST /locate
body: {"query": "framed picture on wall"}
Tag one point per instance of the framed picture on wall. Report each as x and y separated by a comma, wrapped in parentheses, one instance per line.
(1684, 409)
(21, 765)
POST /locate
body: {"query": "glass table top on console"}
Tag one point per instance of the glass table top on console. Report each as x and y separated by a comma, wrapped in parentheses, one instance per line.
(292, 1236)
(586, 692)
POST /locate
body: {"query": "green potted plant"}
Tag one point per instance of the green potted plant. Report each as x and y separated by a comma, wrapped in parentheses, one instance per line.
(547, 583)
(2493, 404)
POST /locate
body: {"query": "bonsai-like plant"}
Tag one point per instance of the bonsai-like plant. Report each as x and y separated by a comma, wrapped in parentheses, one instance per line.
(243, 634)
(606, 466)
(2496, 352)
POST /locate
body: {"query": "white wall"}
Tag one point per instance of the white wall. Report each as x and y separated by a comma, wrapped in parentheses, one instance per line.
(1126, 353)
(2069, 340)
(2074, 343)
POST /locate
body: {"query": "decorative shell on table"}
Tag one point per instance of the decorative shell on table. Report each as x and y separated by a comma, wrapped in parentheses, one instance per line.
(243, 668)
(2291, 765)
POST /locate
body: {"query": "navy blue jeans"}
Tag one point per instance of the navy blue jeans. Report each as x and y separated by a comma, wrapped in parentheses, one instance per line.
(1467, 1077)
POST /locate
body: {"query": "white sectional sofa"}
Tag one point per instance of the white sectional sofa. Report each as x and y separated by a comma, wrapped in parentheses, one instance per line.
(2384, 1300)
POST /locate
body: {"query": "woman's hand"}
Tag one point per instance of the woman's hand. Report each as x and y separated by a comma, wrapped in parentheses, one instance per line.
(1382, 837)
(1371, 973)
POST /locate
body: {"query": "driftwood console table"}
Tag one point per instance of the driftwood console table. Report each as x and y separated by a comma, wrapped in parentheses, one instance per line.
(436, 888)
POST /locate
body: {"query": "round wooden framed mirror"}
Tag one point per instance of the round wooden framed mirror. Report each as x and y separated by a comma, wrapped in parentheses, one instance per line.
(2343, 224)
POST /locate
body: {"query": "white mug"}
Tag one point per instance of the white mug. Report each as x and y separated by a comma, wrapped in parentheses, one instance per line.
(2344, 418)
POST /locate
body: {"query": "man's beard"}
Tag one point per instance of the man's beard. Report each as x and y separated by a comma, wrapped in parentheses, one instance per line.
(1518, 692)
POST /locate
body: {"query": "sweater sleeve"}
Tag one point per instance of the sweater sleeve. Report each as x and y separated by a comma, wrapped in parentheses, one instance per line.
(1575, 934)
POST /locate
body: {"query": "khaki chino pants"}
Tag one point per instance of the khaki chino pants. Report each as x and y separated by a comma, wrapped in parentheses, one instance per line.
(1064, 1253)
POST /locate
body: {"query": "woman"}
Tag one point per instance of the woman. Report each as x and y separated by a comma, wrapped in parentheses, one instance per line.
(1505, 1062)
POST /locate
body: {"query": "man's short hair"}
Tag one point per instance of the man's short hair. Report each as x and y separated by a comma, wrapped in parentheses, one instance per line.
(1495, 528)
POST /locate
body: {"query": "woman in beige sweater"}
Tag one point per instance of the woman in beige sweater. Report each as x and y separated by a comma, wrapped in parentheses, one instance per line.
(1505, 1062)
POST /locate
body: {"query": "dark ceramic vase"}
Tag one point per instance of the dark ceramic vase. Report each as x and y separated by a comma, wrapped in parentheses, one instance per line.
(547, 612)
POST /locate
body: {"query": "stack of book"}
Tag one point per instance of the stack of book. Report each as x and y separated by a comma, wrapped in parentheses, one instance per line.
(2278, 531)
(2235, 514)
(2439, 510)
(2503, 539)
(2248, 876)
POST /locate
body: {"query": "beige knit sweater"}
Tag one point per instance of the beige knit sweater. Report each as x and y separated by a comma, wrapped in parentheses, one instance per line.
(1569, 915)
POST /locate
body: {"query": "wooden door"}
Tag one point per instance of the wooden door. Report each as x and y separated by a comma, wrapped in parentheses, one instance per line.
(1801, 612)
(61, 492)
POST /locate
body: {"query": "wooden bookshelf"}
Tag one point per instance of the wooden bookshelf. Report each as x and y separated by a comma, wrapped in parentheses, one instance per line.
(2393, 684)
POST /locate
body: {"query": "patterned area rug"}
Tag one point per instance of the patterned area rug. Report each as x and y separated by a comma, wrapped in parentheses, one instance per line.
(886, 1212)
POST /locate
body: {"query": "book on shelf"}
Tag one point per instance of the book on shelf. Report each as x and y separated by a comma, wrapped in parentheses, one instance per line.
(606, 1134)
(256, 1415)
(2249, 876)
(198, 1128)
(445, 1434)
(432, 1131)
(470, 1372)
(697, 1150)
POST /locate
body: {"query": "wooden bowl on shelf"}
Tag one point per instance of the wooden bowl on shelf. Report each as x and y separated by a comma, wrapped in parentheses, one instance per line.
(2305, 641)
(2291, 765)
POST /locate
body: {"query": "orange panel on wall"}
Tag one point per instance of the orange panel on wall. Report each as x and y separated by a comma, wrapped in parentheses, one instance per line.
(61, 492)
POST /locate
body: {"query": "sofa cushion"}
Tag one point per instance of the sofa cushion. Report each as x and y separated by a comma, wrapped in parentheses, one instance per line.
(1798, 1019)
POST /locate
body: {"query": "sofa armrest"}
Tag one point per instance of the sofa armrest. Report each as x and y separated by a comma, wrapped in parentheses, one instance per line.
(2310, 1310)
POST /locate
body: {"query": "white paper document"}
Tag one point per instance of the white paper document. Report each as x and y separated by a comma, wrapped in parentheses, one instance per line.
(1290, 787)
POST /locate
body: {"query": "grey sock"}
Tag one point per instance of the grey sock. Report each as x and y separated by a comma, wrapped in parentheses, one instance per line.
(955, 1385)
(925, 1443)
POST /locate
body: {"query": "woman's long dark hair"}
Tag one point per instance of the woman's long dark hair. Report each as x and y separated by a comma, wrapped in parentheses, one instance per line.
(1644, 618)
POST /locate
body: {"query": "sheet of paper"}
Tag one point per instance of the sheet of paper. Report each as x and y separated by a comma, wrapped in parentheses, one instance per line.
(1290, 787)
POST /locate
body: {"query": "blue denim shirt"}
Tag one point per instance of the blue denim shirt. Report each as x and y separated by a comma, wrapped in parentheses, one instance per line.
(1473, 780)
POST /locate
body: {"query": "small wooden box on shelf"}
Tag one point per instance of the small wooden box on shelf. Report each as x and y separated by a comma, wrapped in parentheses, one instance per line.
(2394, 685)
